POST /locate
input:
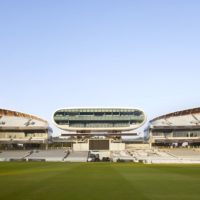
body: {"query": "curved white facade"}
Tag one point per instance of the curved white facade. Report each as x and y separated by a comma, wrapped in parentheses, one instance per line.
(98, 119)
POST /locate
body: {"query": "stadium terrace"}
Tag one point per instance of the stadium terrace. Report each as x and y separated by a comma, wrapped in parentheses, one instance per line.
(96, 134)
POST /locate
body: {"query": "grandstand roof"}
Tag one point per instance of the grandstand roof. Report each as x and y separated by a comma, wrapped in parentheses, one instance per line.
(178, 113)
(5, 112)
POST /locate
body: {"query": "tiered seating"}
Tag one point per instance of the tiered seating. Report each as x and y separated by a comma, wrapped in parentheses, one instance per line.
(78, 156)
(165, 156)
(185, 154)
(122, 156)
(134, 155)
(13, 155)
(47, 155)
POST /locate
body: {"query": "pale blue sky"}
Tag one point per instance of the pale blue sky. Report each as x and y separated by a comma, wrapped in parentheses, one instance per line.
(128, 53)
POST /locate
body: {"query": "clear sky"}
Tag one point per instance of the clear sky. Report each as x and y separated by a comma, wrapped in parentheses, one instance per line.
(95, 53)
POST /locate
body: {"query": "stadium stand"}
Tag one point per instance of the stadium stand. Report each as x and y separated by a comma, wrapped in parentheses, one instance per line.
(22, 131)
(157, 156)
(175, 128)
(14, 155)
(47, 155)
(77, 156)
(122, 156)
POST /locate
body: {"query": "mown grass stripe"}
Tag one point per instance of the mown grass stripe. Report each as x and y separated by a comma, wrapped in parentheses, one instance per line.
(97, 181)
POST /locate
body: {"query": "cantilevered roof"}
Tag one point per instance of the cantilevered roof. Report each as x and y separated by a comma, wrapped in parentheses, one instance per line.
(178, 113)
(5, 112)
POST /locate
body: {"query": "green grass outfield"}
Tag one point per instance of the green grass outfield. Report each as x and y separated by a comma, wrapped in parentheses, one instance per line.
(93, 181)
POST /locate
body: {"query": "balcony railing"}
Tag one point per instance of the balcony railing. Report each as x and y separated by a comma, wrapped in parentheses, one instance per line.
(99, 118)
(100, 125)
